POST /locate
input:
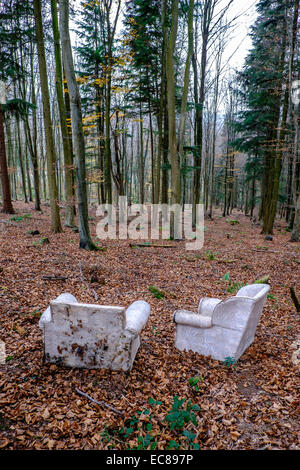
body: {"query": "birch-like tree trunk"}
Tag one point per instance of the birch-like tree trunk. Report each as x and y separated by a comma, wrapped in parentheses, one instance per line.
(53, 194)
(173, 151)
(78, 137)
(68, 158)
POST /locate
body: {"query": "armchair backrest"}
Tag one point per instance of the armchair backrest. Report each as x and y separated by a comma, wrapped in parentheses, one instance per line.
(254, 291)
(233, 313)
(243, 311)
(87, 316)
(80, 334)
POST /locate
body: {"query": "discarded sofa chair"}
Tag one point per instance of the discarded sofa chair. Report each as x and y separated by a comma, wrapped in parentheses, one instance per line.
(92, 336)
(222, 329)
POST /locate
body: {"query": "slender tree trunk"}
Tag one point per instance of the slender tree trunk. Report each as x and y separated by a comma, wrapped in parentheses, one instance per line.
(160, 117)
(163, 124)
(186, 79)
(34, 154)
(68, 159)
(215, 111)
(21, 161)
(78, 137)
(200, 105)
(53, 194)
(28, 175)
(141, 160)
(111, 29)
(274, 158)
(7, 203)
(173, 151)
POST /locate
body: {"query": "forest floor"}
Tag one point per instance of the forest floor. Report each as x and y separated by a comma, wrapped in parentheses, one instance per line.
(253, 404)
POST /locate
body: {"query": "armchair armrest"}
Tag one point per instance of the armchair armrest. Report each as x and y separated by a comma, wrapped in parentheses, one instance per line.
(184, 317)
(207, 306)
(137, 315)
(46, 316)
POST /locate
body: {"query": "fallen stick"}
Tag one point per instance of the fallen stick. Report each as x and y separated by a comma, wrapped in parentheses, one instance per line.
(8, 222)
(295, 299)
(100, 403)
(145, 245)
(265, 251)
(54, 278)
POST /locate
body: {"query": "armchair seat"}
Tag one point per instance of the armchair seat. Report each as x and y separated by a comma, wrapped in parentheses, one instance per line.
(222, 329)
(92, 336)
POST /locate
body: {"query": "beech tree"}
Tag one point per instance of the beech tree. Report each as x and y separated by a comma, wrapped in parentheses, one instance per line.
(7, 203)
(78, 137)
(50, 150)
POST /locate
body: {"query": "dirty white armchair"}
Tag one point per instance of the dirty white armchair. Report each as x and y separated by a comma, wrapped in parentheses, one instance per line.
(222, 329)
(92, 336)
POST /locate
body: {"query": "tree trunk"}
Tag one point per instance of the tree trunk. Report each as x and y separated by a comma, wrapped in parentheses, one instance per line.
(68, 159)
(186, 79)
(7, 204)
(78, 137)
(55, 217)
(173, 151)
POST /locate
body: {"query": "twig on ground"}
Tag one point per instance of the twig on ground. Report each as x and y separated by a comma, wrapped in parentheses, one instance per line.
(123, 396)
(8, 222)
(149, 245)
(54, 278)
(100, 403)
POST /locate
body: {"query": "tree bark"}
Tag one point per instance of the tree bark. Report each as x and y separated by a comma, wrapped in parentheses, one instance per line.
(173, 151)
(78, 137)
(68, 158)
(53, 194)
(7, 203)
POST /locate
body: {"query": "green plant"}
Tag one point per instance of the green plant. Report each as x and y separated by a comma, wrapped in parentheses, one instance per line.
(151, 401)
(193, 382)
(226, 277)
(180, 415)
(236, 286)
(210, 255)
(158, 294)
(232, 286)
(139, 432)
(19, 218)
(36, 313)
(135, 424)
(155, 331)
(232, 222)
(229, 362)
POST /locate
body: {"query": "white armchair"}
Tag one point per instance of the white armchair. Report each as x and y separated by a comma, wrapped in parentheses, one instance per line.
(92, 336)
(222, 329)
